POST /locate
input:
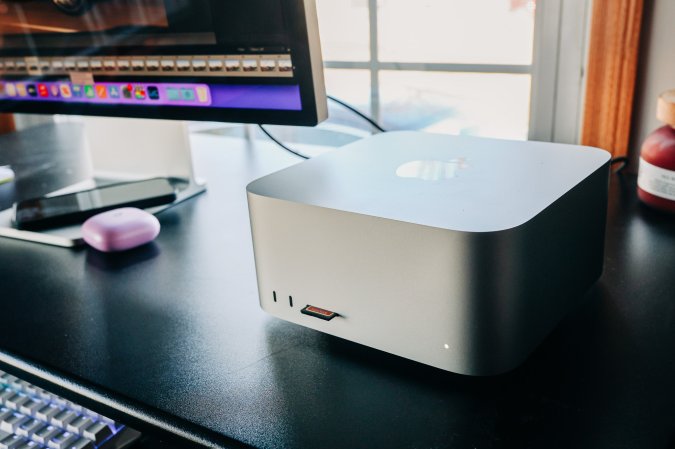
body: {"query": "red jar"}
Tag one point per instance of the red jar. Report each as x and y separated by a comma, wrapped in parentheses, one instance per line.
(656, 179)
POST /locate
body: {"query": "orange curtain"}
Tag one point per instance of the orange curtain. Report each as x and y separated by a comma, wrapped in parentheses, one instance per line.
(612, 68)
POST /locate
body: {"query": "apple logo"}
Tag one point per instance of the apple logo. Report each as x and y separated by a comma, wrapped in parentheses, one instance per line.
(432, 170)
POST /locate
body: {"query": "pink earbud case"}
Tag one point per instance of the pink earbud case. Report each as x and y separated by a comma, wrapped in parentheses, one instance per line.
(120, 229)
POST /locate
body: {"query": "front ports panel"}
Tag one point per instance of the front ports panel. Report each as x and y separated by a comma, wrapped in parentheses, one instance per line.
(309, 310)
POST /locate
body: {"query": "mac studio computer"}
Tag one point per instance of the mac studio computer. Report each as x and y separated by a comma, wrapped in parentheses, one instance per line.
(243, 61)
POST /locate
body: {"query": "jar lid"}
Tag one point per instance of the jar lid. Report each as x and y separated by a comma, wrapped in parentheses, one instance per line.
(666, 108)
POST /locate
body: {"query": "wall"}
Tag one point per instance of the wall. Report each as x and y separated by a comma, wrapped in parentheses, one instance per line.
(656, 72)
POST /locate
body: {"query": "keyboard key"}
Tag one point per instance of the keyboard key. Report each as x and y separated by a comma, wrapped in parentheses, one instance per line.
(11, 442)
(62, 418)
(29, 427)
(12, 422)
(47, 412)
(30, 407)
(5, 413)
(45, 434)
(93, 415)
(29, 445)
(74, 407)
(5, 394)
(59, 401)
(62, 441)
(22, 386)
(79, 424)
(16, 383)
(97, 432)
(16, 401)
(43, 395)
(9, 379)
(30, 389)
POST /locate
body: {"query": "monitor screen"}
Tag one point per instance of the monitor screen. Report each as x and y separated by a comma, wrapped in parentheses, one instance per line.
(252, 61)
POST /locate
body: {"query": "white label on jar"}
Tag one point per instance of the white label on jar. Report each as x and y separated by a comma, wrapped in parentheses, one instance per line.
(656, 180)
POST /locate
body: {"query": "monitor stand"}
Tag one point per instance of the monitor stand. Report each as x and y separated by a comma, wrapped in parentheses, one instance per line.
(122, 149)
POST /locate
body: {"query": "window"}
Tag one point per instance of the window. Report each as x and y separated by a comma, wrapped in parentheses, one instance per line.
(495, 68)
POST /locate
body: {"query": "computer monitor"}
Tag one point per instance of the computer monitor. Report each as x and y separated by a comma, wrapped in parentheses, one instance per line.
(244, 61)
(255, 61)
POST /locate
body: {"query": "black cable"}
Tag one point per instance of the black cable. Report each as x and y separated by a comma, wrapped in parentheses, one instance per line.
(623, 160)
(359, 113)
(341, 103)
(278, 142)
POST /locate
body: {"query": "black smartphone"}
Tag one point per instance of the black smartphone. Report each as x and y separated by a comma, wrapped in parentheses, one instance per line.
(50, 212)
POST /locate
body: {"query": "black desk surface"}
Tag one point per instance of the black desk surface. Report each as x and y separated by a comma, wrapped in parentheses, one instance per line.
(171, 336)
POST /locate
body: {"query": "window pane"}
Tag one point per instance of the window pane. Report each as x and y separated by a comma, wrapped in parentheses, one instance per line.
(344, 26)
(350, 86)
(456, 31)
(489, 105)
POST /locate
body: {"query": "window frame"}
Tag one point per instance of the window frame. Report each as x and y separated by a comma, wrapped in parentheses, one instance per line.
(557, 68)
